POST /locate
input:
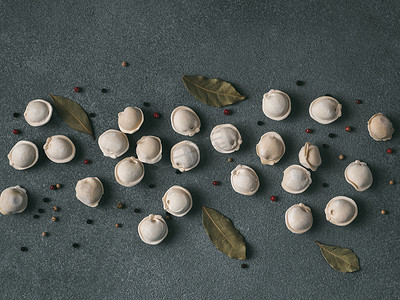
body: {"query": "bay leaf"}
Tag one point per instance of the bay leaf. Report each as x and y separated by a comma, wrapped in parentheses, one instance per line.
(223, 234)
(341, 259)
(213, 92)
(72, 114)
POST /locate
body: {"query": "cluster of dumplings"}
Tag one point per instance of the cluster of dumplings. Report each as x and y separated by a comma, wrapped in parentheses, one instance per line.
(340, 210)
(185, 156)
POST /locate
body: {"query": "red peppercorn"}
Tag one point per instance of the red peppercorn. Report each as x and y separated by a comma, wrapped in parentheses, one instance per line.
(52, 187)
(156, 115)
(77, 89)
(86, 161)
(16, 131)
(358, 102)
(227, 111)
(348, 128)
(215, 182)
(389, 150)
(308, 130)
(273, 198)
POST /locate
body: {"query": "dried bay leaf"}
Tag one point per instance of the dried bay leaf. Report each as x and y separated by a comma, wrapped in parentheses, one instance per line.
(223, 234)
(72, 114)
(213, 92)
(341, 259)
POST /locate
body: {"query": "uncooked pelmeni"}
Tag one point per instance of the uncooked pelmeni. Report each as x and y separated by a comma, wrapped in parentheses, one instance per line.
(380, 128)
(244, 180)
(185, 156)
(129, 171)
(341, 210)
(358, 175)
(149, 149)
(152, 229)
(130, 120)
(270, 148)
(89, 191)
(59, 149)
(310, 157)
(38, 112)
(296, 179)
(298, 218)
(177, 201)
(23, 155)
(185, 121)
(325, 109)
(113, 143)
(13, 200)
(225, 138)
(276, 105)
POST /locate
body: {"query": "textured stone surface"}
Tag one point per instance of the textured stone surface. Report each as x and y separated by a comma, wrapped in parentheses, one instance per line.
(347, 49)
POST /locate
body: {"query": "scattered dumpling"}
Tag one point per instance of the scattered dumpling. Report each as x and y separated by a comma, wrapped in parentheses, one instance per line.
(13, 200)
(185, 156)
(129, 171)
(380, 128)
(185, 121)
(177, 201)
(341, 210)
(270, 148)
(325, 109)
(310, 157)
(153, 229)
(296, 179)
(298, 218)
(130, 120)
(244, 180)
(276, 105)
(358, 175)
(225, 138)
(113, 143)
(89, 191)
(149, 149)
(38, 112)
(59, 149)
(23, 155)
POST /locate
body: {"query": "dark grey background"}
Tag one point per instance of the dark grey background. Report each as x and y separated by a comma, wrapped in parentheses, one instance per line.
(349, 49)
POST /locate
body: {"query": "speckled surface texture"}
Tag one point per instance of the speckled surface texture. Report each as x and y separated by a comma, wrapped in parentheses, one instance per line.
(349, 49)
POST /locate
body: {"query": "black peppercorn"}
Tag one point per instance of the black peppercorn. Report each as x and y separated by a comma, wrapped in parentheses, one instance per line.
(36, 216)
(88, 221)
(92, 115)
(331, 135)
(243, 266)
(24, 249)
(152, 186)
(146, 104)
(40, 210)
(259, 123)
(299, 82)
(75, 245)
(136, 210)
(46, 200)
(15, 115)
(104, 90)
(325, 184)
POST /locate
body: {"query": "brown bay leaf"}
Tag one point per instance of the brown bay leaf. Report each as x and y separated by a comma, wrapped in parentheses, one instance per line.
(72, 114)
(341, 259)
(213, 92)
(223, 234)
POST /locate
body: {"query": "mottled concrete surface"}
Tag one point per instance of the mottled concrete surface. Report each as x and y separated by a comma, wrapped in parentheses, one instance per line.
(349, 49)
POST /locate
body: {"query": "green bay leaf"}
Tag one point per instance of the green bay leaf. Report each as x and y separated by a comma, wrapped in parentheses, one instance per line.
(213, 92)
(72, 114)
(223, 234)
(341, 259)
